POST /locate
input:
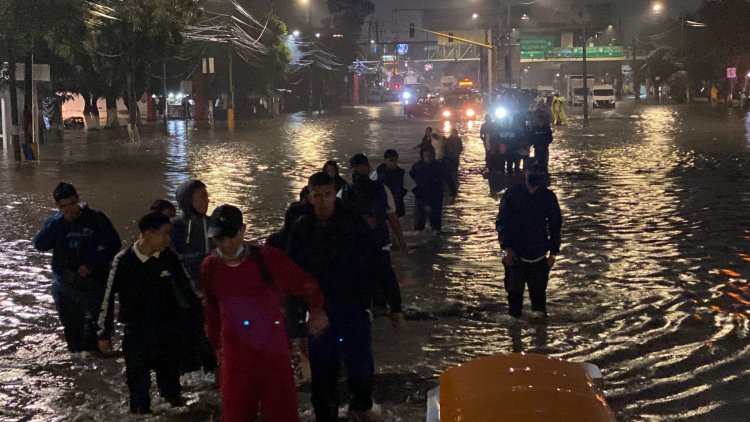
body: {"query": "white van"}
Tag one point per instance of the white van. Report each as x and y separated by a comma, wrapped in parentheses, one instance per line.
(604, 96)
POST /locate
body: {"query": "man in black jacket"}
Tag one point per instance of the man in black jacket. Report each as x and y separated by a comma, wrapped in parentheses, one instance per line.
(153, 292)
(83, 243)
(331, 242)
(529, 225)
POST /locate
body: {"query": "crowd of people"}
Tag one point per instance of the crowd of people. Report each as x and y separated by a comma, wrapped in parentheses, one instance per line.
(509, 137)
(194, 295)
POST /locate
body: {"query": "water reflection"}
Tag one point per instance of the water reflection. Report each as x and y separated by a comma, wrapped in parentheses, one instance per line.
(651, 285)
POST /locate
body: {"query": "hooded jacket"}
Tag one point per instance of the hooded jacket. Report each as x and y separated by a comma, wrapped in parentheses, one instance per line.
(89, 240)
(190, 233)
(529, 223)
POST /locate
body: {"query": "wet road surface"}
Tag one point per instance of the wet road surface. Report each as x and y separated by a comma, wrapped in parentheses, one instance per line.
(651, 283)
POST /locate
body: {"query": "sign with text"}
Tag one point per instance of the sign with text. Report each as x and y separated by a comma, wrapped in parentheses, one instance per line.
(731, 72)
(537, 44)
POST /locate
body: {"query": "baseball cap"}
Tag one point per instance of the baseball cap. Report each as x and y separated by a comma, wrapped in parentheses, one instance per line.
(225, 221)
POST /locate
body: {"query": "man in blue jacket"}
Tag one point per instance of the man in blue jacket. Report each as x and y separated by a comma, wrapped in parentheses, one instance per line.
(83, 243)
(529, 225)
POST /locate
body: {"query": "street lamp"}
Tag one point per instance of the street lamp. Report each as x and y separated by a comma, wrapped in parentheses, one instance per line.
(657, 7)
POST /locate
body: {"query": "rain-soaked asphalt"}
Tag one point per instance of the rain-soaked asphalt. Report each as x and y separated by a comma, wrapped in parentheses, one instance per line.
(651, 284)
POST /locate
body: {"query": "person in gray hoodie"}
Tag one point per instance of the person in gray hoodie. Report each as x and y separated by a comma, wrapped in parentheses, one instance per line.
(190, 242)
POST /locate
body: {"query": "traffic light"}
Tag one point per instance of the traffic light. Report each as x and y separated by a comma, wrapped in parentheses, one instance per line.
(411, 30)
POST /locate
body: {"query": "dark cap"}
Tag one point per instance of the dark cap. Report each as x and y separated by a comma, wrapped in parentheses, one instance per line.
(225, 221)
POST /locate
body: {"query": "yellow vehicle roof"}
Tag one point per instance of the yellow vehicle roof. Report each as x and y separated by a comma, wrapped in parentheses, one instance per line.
(520, 387)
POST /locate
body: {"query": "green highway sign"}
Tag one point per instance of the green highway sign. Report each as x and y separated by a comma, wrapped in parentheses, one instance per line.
(605, 51)
(537, 44)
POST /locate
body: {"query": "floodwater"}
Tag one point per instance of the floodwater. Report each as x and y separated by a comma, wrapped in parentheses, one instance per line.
(650, 286)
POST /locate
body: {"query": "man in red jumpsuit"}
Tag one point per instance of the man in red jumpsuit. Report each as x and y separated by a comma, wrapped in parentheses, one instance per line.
(244, 289)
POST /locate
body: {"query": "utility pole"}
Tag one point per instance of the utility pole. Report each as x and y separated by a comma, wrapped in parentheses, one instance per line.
(633, 70)
(585, 81)
(15, 141)
(230, 109)
(164, 94)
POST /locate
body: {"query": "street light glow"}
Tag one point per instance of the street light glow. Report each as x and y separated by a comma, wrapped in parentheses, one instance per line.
(657, 7)
(525, 17)
(475, 15)
(317, 35)
(295, 33)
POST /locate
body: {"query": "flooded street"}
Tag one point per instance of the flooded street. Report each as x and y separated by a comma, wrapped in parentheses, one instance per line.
(650, 284)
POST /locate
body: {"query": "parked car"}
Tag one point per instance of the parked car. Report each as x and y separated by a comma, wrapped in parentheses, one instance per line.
(74, 123)
(423, 107)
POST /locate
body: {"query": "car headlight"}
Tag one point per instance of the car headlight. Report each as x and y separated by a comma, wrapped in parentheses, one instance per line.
(406, 95)
(470, 113)
(501, 112)
(446, 113)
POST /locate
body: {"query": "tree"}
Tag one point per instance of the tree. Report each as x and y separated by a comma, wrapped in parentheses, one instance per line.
(347, 19)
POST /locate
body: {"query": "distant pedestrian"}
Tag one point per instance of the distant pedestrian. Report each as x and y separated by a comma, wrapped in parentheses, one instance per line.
(154, 292)
(191, 244)
(485, 134)
(452, 148)
(390, 174)
(332, 168)
(426, 139)
(503, 140)
(559, 116)
(332, 243)
(430, 176)
(529, 225)
(162, 206)
(245, 287)
(540, 128)
(438, 141)
(83, 243)
(374, 202)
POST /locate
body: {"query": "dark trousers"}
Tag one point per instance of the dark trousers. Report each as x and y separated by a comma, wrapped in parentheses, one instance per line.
(435, 217)
(347, 340)
(536, 275)
(196, 351)
(541, 155)
(148, 347)
(78, 309)
(386, 283)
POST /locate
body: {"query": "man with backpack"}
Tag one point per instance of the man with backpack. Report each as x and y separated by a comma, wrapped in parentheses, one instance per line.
(244, 291)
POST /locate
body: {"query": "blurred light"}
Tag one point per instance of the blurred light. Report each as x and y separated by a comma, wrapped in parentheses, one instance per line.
(179, 96)
(525, 17)
(337, 36)
(446, 113)
(317, 35)
(475, 15)
(303, 1)
(748, 74)
(171, 95)
(246, 323)
(470, 113)
(295, 33)
(406, 95)
(442, 98)
(501, 112)
(657, 7)
(557, 75)
(153, 95)
(372, 41)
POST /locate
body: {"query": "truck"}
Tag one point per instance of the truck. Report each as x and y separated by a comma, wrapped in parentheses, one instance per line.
(447, 83)
(604, 96)
(575, 92)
